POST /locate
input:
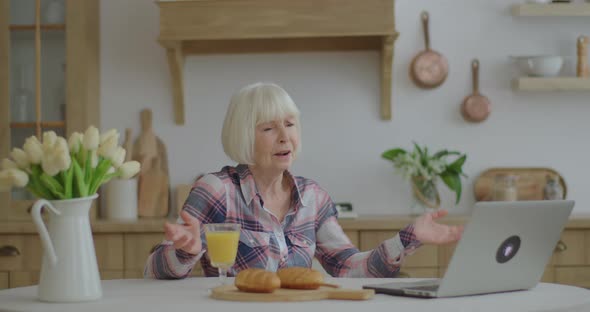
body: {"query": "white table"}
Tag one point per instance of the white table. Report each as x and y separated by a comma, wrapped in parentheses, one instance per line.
(193, 295)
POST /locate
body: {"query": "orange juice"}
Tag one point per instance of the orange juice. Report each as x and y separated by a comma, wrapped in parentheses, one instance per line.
(222, 247)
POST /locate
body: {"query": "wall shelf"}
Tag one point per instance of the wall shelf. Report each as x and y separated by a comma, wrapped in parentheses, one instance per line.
(270, 26)
(553, 9)
(551, 84)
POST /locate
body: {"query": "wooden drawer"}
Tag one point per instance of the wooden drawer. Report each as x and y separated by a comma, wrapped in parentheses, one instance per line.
(425, 256)
(109, 251)
(28, 252)
(24, 278)
(248, 19)
(353, 236)
(420, 272)
(110, 275)
(574, 253)
(137, 249)
(445, 252)
(4, 280)
(577, 276)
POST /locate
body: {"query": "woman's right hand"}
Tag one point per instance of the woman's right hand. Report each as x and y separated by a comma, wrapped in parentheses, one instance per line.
(187, 236)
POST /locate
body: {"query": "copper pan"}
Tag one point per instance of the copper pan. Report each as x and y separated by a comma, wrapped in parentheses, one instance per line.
(476, 107)
(429, 69)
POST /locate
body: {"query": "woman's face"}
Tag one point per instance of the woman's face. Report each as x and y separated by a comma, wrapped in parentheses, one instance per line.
(275, 143)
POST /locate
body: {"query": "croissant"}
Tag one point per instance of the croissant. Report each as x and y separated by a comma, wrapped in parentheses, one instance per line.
(257, 280)
(301, 278)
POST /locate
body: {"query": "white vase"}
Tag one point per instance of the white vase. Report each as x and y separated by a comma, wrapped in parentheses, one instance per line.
(121, 200)
(69, 272)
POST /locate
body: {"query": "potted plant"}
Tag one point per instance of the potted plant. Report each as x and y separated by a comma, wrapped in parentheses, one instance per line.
(423, 170)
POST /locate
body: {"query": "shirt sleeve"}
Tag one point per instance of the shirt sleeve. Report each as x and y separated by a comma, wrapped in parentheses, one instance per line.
(341, 259)
(206, 202)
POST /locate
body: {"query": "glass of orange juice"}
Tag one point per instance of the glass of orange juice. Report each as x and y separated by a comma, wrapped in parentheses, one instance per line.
(222, 246)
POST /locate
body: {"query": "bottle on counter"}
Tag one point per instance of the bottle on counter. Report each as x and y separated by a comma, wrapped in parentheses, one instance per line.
(552, 189)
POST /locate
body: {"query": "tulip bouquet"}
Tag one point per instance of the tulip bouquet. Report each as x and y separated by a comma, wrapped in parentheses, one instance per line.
(57, 169)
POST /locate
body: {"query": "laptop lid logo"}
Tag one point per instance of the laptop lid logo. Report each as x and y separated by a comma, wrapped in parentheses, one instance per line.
(508, 249)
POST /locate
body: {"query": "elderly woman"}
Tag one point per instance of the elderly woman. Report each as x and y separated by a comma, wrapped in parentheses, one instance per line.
(285, 220)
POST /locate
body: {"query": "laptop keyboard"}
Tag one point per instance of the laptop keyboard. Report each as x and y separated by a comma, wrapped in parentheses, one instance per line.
(425, 287)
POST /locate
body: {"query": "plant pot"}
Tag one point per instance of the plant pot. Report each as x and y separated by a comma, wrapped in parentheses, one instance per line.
(425, 195)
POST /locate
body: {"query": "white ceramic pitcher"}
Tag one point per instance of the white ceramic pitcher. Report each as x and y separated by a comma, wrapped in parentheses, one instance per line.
(69, 272)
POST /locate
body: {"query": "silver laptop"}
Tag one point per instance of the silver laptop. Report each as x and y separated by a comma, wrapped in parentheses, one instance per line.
(505, 247)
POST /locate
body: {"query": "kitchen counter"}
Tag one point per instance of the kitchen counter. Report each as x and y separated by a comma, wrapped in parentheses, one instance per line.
(364, 222)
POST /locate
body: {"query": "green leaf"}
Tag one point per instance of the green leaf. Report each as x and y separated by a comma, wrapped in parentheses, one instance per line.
(69, 176)
(453, 181)
(443, 153)
(88, 168)
(457, 164)
(52, 185)
(80, 184)
(37, 186)
(393, 153)
(99, 173)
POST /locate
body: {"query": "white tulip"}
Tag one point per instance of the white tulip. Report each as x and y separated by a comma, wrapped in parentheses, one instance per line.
(75, 141)
(5, 181)
(49, 138)
(94, 159)
(19, 177)
(91, 138)
(34, 149)
(107, 135)
(8, 164)
(118, 157)
(108, 147)
(49, 163)
(129, 169)
(63, 159)
(111, 170)
(20, 157)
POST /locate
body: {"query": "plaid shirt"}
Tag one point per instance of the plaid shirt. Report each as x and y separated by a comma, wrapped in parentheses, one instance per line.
(310, 229)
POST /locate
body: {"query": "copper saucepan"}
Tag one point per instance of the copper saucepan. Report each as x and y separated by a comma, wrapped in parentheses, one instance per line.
(429, 69)
(476, 107)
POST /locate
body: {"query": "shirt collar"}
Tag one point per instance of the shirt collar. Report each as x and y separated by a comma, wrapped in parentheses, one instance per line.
(248, 186)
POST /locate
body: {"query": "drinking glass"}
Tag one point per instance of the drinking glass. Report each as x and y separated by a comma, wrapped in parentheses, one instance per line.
(222, 246)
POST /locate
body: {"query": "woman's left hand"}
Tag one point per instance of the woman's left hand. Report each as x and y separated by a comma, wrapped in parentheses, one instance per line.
(428, 231)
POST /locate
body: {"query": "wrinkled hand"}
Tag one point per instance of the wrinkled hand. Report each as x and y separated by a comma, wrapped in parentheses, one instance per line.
(430, 232)
(185, 236)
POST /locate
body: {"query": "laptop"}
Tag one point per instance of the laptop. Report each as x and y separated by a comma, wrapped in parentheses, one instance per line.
(505, 246)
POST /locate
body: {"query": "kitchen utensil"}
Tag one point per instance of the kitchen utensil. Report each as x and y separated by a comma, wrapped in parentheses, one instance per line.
(231, 293)
(583, 69)
(428, 69)
(540, 65)
(150, 151)
(530, 182)
(476, 107)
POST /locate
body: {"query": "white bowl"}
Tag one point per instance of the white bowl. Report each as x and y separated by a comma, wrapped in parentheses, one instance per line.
(540, 65)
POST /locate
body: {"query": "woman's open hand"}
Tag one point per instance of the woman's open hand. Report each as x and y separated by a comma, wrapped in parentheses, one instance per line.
(429, 232)
(185, 236)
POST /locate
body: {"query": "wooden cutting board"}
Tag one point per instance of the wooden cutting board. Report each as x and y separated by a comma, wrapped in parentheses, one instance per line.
(150, 151)
(231, 293)
(529, 184)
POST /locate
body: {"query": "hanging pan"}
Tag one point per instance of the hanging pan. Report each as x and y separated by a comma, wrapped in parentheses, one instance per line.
(476, 107)
(429, 69)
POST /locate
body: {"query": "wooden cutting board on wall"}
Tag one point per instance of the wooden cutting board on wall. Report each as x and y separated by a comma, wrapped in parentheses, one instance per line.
(153, 188)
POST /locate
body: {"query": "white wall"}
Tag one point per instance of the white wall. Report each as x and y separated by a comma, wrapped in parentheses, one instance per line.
(338, 94)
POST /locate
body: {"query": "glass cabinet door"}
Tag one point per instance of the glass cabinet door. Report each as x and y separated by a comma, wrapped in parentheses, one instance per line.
(37, 60)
